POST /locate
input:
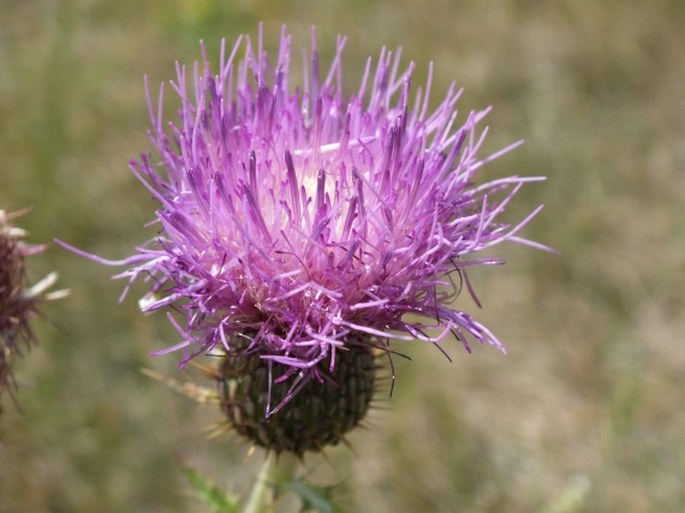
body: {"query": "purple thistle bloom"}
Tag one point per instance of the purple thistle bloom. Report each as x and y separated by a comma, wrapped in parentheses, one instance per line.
(301, 218)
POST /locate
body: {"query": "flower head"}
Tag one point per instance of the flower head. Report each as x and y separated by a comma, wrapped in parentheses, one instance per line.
(297, 224)
(17, 301)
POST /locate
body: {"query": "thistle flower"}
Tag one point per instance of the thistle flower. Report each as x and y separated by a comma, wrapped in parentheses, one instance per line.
(17, 302)
(302, 230)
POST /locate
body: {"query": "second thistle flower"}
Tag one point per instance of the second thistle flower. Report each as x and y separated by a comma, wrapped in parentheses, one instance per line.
(18, 301)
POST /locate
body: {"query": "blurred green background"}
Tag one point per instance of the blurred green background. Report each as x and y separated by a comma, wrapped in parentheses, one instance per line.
(585, 413)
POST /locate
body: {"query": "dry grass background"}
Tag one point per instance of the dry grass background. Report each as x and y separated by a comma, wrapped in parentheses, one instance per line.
(585, 412)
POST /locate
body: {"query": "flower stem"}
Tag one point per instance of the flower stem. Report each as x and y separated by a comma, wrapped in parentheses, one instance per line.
(275, 471)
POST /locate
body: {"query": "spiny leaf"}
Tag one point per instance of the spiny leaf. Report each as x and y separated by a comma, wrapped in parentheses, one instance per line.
(314, 498)
(209, 493)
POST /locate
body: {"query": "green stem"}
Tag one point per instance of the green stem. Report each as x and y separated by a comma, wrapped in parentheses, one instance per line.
(275, 471)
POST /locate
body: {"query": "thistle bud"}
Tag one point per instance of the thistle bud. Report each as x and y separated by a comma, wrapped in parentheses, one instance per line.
(319, 412)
